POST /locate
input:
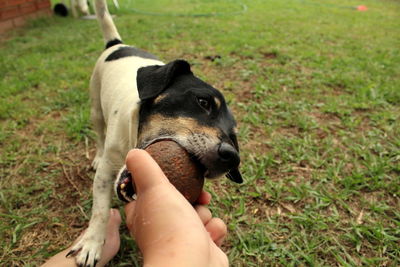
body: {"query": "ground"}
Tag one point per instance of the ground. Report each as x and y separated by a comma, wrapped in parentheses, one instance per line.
(315, 88)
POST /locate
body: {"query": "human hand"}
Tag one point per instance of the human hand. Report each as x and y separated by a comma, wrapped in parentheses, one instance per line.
(167, 229)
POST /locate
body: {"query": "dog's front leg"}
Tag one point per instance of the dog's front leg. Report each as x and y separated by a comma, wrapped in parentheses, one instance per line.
(88, 249)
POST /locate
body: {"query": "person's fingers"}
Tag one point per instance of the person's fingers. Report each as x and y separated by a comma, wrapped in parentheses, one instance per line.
(130, 210)
(204, 213)
(115, 220)
(217, 229)
(144, 169)
(204, 198)
(112, 242)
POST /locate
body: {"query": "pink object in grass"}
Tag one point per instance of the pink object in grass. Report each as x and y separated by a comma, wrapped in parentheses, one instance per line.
(362, 8)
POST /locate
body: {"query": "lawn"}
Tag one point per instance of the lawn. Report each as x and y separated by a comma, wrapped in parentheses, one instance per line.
(315, 88)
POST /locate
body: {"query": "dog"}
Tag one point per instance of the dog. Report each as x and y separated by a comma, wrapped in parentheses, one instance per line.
(79, 6)
(82, 6)
(138, 100)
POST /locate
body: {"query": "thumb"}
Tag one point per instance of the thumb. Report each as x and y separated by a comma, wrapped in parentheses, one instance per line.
(145, 171)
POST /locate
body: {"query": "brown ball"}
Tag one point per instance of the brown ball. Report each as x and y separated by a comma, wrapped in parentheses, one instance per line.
(180, 169)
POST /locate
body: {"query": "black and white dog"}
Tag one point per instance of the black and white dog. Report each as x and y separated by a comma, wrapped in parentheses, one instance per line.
(137, 100)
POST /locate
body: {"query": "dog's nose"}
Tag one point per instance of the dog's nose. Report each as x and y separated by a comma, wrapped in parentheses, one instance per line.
(228, 155)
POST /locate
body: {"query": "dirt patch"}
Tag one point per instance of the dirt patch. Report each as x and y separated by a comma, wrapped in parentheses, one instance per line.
(257, 144)
(286, 131)
(325, 118)
(269, 55)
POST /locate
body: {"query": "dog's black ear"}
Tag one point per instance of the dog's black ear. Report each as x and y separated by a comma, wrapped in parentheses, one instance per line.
(153, 80)
(235, 176)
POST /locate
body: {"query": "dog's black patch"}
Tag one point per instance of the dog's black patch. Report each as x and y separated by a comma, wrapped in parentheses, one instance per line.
(153, 80)
(128, 51)
(60, 10)
(113, 42)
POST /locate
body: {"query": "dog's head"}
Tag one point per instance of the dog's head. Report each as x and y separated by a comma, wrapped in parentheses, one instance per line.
(177, 105)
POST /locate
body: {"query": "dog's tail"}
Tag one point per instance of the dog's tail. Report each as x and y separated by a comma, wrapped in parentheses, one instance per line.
(110, 33)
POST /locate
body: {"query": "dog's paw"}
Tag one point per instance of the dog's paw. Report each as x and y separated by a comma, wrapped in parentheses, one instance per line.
(96, 162)
(87, 251)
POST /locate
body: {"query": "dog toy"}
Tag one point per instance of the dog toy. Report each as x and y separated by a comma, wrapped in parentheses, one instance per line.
(177, 165)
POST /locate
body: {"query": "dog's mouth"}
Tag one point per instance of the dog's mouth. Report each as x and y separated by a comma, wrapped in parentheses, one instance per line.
(208, 164)
(213, 161)
(124, 186)
(194, 158)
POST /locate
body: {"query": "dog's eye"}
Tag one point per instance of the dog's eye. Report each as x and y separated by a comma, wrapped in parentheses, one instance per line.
(204, 103)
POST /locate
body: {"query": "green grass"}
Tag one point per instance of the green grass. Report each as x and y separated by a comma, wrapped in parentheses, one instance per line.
(315, 88)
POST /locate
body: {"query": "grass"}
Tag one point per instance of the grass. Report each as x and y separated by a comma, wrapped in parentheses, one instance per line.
(315, 88)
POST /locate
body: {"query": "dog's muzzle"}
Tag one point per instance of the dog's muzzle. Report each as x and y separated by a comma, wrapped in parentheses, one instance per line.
(228, 156)
(223, 159)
